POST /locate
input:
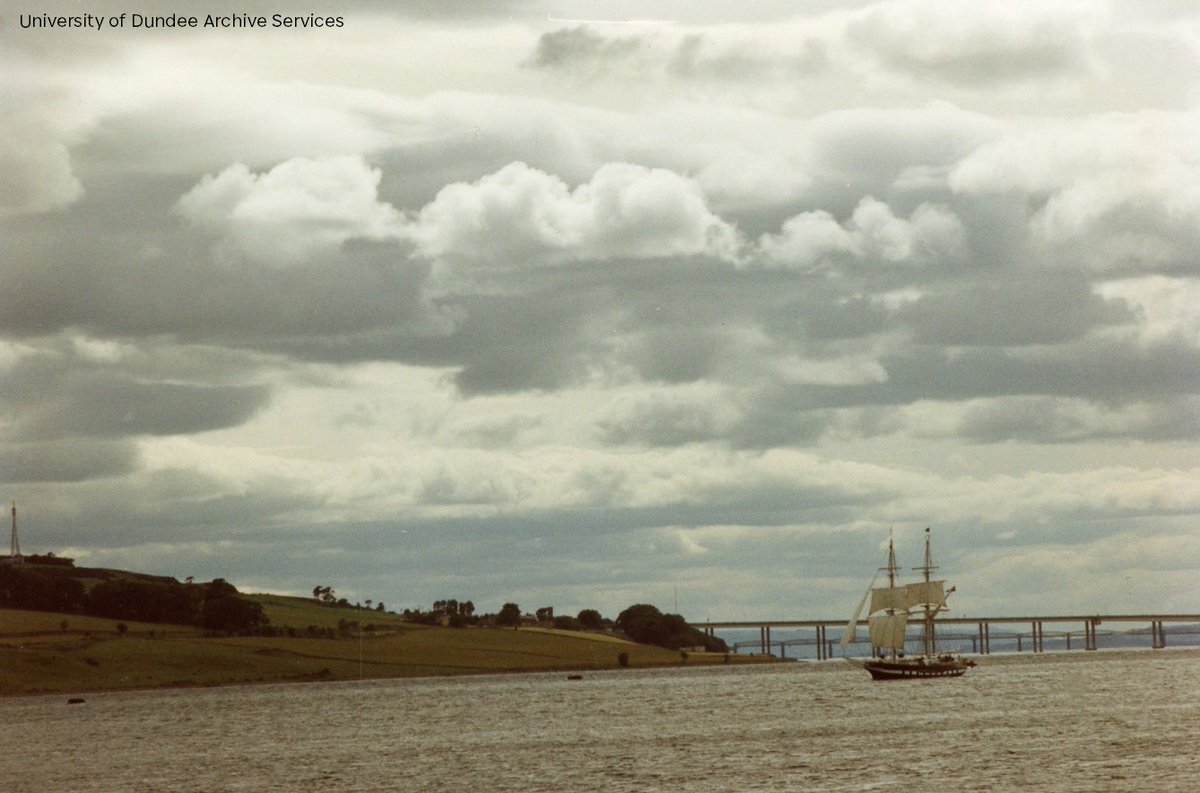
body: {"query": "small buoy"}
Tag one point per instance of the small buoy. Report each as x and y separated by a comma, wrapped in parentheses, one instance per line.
(76, 701)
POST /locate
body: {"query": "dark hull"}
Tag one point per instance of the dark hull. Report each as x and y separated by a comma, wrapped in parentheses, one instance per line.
(917, 669)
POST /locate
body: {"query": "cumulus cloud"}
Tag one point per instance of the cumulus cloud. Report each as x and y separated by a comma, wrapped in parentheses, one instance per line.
(873, 232)
(298, 211)
(493, 303)
(520, 216)
(1112, 174)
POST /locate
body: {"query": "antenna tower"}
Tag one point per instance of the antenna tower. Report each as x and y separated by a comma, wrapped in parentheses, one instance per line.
(15, 545)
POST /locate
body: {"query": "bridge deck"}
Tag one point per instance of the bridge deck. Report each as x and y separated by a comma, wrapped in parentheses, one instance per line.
(980, 640)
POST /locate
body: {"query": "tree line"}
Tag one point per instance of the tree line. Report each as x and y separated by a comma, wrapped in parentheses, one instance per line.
(641, 623)
(215, 606)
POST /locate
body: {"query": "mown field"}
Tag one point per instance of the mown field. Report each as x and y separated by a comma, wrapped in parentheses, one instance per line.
(43, 652)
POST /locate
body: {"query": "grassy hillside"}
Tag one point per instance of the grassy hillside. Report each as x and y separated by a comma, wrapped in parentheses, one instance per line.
(299, 613)
(43, 652)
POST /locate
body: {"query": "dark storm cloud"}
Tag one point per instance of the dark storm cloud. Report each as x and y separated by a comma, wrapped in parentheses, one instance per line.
(513, 342)
(72, 460)
(128, 267)
(1111, 373)
(1030, 308)
(104, 404)
(1049, 420)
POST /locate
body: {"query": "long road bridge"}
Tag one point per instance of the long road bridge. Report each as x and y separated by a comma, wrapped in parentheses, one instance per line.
(1085, 627)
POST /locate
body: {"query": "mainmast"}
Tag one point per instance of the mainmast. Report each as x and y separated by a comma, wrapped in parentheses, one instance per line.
(931, 609)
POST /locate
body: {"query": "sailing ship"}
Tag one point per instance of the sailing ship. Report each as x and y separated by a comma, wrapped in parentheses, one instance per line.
(890, 611)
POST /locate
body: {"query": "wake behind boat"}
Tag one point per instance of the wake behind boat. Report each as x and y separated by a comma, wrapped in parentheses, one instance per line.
(890, 610)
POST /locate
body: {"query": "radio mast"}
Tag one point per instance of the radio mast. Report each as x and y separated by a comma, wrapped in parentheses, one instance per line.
(15, 545)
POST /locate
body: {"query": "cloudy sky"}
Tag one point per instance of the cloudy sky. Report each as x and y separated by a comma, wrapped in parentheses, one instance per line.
(588, 304)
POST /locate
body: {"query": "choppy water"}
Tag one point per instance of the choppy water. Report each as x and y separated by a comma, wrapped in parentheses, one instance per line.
(1054, 723)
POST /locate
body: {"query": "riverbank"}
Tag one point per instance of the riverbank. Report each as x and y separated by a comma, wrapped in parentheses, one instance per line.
(45, 653)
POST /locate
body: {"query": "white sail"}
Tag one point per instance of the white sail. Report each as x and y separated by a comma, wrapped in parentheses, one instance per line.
(850, 634)
(887, 630)
(923, 593)
(889, 598)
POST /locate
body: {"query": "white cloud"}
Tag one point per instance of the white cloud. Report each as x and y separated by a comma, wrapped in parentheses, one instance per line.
(299, 210)
(38, 125)
(1106, 174)
(932, 233)
(977, 43)
(520, 215)
(1169, 308)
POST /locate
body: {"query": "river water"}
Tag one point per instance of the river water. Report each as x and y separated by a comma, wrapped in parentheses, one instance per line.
(1088, 722)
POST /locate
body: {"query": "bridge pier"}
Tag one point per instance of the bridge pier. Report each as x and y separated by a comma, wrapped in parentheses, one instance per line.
(1158, 635)
(985, 638)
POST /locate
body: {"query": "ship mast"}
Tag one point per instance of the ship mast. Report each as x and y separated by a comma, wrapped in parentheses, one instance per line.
(931, 610)
(892, 568)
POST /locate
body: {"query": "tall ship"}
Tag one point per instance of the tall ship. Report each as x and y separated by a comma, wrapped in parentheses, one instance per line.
(892, 607)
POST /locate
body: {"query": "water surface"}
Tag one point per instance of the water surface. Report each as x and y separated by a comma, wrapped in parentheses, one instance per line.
(1077, 722)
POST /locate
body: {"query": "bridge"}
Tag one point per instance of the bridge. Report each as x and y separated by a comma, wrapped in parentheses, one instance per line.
(1069, 628)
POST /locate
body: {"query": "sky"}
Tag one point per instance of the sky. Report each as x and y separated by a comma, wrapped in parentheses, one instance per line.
(582, 304)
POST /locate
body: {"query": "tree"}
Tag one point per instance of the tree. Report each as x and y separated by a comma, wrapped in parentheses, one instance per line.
(224, 611)
(646, 624)
(591, 619)
(510, 614)
(566, 623)
(545, 614)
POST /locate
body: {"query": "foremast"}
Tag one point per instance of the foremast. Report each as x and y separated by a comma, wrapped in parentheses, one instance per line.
(887, 642)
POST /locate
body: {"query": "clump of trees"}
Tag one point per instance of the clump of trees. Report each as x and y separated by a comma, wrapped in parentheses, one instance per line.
(452, 612)
(326, 596)
(216, 606)
(646, 624)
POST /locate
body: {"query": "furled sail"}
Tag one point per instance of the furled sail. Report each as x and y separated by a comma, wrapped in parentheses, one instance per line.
(887, 630)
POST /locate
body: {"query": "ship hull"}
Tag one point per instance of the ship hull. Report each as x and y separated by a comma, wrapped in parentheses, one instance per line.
(917, 669)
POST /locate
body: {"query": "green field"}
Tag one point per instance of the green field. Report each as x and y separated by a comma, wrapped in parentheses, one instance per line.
(44, 652)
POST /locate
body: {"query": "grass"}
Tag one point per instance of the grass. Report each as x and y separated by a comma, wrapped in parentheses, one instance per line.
(296, 612)
(38, 656)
